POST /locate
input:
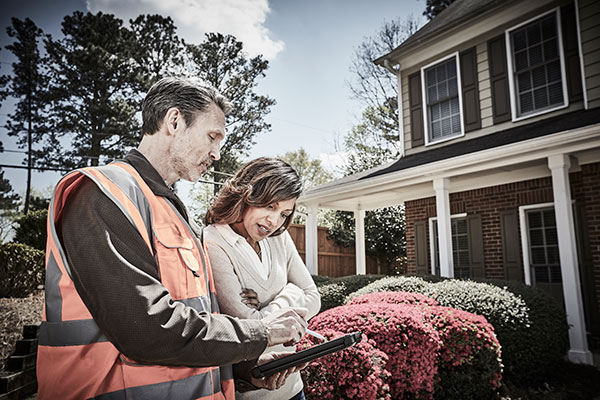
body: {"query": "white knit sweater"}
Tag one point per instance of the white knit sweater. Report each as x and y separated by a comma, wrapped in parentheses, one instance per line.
(288, 284)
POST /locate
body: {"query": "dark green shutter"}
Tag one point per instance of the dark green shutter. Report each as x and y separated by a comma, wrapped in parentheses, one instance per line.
(421, 247)
(499, 79)
(416, 110)
(511, 246)
(476, 262)
(571, 49)
(470, 90)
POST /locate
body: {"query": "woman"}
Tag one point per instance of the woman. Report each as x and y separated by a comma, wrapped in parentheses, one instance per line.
(256, 267)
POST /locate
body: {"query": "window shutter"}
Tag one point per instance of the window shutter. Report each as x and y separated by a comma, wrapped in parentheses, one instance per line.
(571, 49)
(421, 247)
(470, 90)
(511, 247)
(499, 79)
(416, 110)
(475, 246)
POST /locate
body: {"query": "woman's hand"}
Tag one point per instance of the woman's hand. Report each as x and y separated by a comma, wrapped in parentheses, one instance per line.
(277, 380)
(250, 298)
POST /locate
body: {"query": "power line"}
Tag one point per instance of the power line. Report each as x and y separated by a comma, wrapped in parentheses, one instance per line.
(36, 168)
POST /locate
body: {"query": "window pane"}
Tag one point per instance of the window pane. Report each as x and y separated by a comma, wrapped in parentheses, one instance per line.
(524, 81)
(537, 65)
(555, 274)
(540, 98)
(534, 219)
(553, 257)
(542, 275)
(519, 40)
(536, 236)
(431, 77)
(535, 55)
(441, 73)
(534, 36)
(442, 99)
(556, 93)
(436, 112)
(550, 49)
(452, 87)
(549, 218)
(436, 130)
(443, 90)
(455, 124)
(538, 255)
(446, 126)
(521, 61)
(551, 237)
(526, 102)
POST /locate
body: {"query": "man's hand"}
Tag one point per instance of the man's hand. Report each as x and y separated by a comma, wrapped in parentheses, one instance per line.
(286, 326)
(250, 298)
(276, 380)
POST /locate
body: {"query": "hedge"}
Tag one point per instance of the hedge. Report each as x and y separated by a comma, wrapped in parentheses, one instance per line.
(528, 323)
(21, 269)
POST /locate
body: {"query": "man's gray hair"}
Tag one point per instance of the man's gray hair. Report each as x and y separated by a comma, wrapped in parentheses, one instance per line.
(190, 96)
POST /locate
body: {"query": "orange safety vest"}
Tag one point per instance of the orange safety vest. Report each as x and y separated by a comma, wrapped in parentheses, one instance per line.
(75, 359)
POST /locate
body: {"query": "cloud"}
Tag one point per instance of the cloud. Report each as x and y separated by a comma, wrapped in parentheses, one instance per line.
(242, 18)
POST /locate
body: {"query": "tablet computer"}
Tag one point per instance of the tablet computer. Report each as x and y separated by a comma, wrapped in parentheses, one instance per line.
(306, 355)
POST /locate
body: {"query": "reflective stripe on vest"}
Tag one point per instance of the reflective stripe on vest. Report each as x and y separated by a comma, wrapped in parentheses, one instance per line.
(75, 360)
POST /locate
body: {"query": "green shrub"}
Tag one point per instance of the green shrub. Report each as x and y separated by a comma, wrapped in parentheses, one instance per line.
(21, 269)
(321, 280)
(412, 284)
(31, 229)
(532, 352)
(334, 293)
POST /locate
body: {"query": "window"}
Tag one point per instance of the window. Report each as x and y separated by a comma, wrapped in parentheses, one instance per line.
(537, 69)
(543, 246)
(442, 97)
(460, 247)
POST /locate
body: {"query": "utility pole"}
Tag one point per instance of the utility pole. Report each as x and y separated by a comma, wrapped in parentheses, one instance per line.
(29, 139)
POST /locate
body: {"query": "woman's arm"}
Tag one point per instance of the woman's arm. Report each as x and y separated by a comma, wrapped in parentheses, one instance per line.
(228, 285)
(300, 290)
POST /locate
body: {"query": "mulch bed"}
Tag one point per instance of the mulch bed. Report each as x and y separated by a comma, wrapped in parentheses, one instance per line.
(14, 313)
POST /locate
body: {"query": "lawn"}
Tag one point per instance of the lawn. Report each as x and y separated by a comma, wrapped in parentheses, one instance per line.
(568, 382)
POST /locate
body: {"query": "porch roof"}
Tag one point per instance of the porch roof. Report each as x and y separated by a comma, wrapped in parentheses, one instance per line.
(476, 160)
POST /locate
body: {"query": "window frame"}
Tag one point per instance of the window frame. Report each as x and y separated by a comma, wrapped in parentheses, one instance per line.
(511, 73)
(433, 243)
(425, 105)
(525, 236)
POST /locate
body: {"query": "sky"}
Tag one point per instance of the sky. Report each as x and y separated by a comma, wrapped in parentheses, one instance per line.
(309, 45)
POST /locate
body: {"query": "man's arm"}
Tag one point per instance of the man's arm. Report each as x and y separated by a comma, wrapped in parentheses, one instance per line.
(117, 278)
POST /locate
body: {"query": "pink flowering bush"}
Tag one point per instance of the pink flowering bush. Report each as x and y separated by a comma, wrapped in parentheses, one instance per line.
(412, 348)
(395, 298)
(398, 330)
(469, 358)
(357, 372)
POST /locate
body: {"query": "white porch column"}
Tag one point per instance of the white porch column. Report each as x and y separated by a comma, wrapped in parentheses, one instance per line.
(361, 262)
(311, 237)
(442, 203)
(569, 266)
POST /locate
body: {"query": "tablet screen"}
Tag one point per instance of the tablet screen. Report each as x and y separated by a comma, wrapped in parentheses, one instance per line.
(306, 355)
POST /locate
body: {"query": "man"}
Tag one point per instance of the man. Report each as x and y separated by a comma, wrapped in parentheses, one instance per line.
(130, 305)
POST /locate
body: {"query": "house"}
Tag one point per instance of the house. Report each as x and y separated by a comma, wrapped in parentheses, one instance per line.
(500, 166)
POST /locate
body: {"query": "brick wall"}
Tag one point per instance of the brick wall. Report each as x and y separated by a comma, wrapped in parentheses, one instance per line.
(491, 201)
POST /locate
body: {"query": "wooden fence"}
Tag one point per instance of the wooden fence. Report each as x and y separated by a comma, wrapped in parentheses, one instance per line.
(334, 261)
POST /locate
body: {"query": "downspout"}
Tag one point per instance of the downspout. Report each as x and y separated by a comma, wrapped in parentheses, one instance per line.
(397, 73)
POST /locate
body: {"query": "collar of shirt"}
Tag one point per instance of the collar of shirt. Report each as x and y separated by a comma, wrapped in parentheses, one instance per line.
(229, 234)
(153, 179)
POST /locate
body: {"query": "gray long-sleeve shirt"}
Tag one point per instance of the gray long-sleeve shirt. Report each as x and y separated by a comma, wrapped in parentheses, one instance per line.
(118, 280)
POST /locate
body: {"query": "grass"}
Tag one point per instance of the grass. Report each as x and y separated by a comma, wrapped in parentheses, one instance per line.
(568, 382)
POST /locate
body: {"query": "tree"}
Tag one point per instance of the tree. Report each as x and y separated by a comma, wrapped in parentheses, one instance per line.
(158, 51)
(310, 170)
(434, 7)
(311, 173)
(221, 61)
(374, 140)
(8, 207)
(93, 91)
(27, 85)
(373, 85)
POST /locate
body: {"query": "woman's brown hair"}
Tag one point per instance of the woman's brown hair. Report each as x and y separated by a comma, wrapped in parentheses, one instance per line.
(259, 183)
